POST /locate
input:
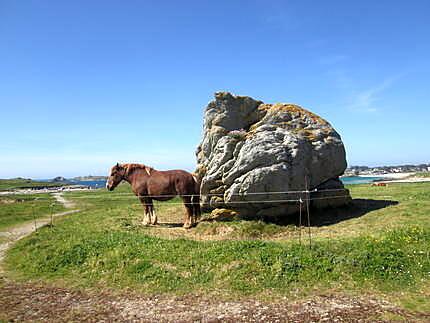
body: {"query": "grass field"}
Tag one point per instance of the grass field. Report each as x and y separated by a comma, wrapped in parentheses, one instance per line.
(377, 246)
(15, 209)
(20, 183)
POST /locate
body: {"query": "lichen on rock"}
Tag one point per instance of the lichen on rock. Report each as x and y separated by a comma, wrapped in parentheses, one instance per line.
(254, 157)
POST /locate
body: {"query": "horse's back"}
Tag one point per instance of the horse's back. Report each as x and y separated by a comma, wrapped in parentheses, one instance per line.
(172, 182)
(184, 181)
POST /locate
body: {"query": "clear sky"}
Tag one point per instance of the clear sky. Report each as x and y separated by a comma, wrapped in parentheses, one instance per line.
(84, 84)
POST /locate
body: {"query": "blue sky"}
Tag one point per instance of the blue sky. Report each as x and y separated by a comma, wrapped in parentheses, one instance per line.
(84, 84)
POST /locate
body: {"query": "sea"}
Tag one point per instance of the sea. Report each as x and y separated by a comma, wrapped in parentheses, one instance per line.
(91, 184)
(345, 180)
(359, 180)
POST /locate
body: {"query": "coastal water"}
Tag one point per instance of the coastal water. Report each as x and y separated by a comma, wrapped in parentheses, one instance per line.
(92, 184)
(358, 180)
(345, 180)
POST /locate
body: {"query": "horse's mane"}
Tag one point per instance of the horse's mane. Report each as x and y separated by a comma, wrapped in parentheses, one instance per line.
(131, 167)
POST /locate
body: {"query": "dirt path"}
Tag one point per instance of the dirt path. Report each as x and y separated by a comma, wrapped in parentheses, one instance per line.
(36, 302)
(60, 199)
(20, 231)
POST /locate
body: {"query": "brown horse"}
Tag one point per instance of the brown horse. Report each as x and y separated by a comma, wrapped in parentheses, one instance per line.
(149, 184)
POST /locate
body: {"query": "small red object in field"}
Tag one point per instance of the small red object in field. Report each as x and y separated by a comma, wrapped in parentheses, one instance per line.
(379, 184)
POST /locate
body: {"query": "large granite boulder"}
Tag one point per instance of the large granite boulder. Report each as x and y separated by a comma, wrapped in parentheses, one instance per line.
(258, 158)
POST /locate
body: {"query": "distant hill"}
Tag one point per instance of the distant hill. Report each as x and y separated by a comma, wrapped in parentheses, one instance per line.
(21, 183)
(59, 179)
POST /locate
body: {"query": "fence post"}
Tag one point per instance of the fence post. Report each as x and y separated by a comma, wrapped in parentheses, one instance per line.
(52, 214)
(34, 217)
(300, 220)
(308, 196)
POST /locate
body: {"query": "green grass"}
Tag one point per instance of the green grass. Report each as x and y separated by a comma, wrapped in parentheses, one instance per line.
(398, 261)
(378, 250)
(21, 183)
(15, 209)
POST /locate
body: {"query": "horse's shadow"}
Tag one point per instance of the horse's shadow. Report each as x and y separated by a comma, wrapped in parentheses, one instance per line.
(169, 224)
(318, 218)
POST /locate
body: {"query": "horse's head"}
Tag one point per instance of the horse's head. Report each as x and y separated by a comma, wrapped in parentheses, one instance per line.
(117, 174)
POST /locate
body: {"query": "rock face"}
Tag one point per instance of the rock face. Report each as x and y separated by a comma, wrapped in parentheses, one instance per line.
(250, 148)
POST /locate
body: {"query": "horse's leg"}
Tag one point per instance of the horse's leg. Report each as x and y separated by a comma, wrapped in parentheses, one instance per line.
(154, 219)
(146, 217)
(196, 207)
(152, 215)
(188, 219)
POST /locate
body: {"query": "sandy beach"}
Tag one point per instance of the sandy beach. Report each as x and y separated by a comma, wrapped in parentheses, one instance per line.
(399, 178)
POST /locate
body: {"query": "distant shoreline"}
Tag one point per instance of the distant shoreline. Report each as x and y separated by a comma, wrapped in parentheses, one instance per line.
(398, 178)
(42, 190)
(389, 175)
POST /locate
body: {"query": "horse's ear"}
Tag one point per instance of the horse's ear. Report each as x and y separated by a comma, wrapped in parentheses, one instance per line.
(148, 170)
(117, 165)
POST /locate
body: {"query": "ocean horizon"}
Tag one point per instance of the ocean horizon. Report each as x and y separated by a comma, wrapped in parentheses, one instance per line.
(348, 180)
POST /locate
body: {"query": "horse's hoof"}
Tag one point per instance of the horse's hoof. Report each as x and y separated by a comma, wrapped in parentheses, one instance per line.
(187, 226)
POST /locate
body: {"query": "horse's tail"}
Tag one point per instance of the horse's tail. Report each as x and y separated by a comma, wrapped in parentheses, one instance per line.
(195, 199)
(196, 183)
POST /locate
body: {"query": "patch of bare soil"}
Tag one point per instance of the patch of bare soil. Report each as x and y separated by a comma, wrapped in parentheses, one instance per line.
(36, 302)
(7, 201)
(60, 199)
